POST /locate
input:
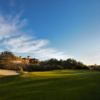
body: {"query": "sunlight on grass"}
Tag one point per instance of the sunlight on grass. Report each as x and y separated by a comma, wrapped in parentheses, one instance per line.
(54, 74)
(51, 85)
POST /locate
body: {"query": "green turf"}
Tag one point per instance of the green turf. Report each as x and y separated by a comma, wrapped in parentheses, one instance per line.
(52, 85)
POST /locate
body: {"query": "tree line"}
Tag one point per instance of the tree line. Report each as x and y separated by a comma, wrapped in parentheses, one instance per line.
(53, 64)
(9, 61)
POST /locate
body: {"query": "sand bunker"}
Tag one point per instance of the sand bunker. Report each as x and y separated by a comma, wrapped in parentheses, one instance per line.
(7, 72)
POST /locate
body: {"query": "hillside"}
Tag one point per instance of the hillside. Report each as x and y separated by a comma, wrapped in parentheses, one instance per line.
(52, 85)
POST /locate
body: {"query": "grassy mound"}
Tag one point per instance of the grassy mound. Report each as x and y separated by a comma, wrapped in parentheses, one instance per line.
(51, 85)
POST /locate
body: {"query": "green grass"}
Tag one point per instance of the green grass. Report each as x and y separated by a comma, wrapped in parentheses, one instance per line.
(52, 85)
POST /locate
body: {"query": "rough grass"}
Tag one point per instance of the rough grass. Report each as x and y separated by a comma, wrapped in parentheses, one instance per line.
(51, 85)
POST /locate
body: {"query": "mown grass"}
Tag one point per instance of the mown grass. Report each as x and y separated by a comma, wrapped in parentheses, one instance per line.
(52, 85)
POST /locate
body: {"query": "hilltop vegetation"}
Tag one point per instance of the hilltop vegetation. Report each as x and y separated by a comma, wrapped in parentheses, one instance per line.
(9, 61)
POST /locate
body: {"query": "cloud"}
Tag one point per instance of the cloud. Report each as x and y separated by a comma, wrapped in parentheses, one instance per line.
(13, 38)
(10, 25)
(50, 53)
(22, 44)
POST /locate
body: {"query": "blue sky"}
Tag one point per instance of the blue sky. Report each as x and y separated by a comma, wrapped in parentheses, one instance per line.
(52, 28)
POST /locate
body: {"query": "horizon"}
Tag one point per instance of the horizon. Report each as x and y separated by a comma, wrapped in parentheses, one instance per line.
(47, 29)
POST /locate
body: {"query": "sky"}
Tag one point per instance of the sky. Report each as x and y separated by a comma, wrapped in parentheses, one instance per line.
(51, 29)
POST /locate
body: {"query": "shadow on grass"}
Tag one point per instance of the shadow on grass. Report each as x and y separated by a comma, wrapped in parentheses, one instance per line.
(84, 86)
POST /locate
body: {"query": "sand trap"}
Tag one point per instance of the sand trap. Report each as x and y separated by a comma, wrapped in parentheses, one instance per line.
(7, 72)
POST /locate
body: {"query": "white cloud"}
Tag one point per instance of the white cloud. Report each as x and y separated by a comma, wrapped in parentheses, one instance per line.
(10, 25)
(50, 53)
(23, 44)
(13, 38)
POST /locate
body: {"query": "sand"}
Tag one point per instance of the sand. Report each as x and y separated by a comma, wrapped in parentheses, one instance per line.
(7, 72)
